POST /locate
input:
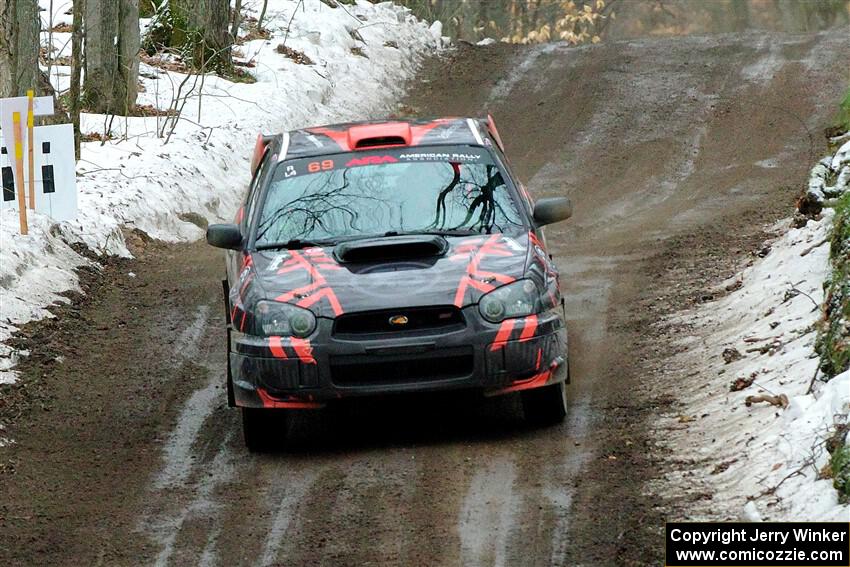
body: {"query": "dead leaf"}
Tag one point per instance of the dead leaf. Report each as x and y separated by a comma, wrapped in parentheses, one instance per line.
(723, 466)
(731, 355)
(741, 383)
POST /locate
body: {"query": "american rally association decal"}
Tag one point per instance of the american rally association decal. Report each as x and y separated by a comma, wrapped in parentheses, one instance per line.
(439, 156)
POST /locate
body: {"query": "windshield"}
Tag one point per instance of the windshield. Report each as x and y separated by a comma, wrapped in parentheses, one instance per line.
(369, 194)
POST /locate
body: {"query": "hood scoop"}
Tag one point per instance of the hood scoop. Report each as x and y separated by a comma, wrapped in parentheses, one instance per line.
(391, 248)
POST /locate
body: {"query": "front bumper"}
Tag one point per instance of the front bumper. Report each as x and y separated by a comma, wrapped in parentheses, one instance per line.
(306, 373)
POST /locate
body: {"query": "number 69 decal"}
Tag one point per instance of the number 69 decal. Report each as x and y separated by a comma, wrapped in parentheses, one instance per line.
(316, 166)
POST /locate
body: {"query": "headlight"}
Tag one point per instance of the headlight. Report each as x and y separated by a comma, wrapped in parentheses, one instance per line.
(283, 319)
(517, 299)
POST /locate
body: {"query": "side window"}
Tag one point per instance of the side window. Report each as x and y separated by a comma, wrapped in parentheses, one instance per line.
(257, 182)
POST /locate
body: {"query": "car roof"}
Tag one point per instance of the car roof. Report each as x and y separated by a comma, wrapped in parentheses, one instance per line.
(356, 136)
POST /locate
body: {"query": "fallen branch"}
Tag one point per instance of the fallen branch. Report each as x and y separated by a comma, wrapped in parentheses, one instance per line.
(808, 462)
(758, 339)
(813, 246)
(781, 400)
(764, 349)
(772, 490)
(817, 306)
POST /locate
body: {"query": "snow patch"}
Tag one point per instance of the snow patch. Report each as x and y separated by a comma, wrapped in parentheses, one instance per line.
(757, 460)
(488, 513)
(136, 180)
(767, 66)
(837, 169)
(436, 30)
(518, 71)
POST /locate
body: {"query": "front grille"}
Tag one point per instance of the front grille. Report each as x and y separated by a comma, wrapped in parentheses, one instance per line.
(439, 318)
(368, 370)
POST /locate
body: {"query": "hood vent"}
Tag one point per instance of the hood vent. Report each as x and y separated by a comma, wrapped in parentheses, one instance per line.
(391, 248)
(375, 135)
(380, 142)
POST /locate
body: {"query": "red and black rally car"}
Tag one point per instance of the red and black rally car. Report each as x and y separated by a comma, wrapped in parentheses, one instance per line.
(383, 257)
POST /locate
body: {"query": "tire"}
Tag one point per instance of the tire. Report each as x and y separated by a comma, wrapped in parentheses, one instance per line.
(263, 429)
(546, 405)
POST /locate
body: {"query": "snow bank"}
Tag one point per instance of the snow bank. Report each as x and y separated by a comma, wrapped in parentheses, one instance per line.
(828, 179)
(361, 55)
(757, 460)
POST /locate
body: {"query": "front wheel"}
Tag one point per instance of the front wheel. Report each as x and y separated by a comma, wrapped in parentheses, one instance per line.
(546, 405)
(263, 429)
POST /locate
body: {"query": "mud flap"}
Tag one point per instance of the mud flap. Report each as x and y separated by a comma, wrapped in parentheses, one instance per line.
(231, 396)
(564, 312)
(226, 289)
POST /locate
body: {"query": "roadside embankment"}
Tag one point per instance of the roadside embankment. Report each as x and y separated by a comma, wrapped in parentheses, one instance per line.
(762, 380)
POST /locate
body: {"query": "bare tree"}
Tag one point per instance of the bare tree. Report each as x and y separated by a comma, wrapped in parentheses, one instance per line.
(216, 37)
(262, 14)
(237, 19)
(19, 47)
(76, 71)
(201, 26)
(112, 55)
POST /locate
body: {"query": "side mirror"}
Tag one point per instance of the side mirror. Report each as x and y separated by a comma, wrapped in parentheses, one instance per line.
(224, 236)
(552, 209)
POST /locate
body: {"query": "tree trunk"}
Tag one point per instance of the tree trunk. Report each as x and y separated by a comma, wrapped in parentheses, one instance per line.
(112, 55)
(217, 39)
(204, 24)
(262, 15)
(19, 46)
(237, 19)
(76, 71)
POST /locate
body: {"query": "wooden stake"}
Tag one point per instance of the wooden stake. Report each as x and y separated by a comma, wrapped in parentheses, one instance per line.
(19, 167)
(30, 158)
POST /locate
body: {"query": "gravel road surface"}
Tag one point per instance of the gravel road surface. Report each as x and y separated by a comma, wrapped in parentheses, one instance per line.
(675, 152)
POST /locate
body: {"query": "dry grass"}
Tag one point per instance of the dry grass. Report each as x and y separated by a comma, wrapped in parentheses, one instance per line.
(294, 54)
(95, 137)
(160, 62)
(150, 110)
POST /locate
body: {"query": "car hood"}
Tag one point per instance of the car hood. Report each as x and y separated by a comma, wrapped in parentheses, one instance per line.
(313, 278)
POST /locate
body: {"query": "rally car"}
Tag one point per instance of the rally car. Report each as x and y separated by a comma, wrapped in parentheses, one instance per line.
(386, 257)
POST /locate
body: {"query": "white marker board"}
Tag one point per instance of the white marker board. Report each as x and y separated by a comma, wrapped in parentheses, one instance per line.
(41, 106)
(55, 173)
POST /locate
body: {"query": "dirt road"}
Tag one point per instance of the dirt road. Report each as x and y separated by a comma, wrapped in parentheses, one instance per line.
(675, 151)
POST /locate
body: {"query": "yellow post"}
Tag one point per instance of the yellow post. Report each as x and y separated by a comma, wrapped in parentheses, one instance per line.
(31, 169)
(19, 167)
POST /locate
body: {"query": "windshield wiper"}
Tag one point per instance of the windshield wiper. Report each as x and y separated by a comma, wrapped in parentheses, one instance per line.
(296, 244)
(446, 232)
